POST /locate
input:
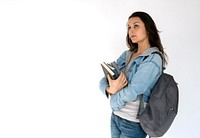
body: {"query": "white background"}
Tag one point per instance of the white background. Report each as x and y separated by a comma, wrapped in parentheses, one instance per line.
(50, 54)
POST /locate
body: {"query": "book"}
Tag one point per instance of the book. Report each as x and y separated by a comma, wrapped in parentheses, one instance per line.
(112, 69)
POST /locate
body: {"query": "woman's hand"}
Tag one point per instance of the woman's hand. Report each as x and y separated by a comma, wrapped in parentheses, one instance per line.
(116, 85)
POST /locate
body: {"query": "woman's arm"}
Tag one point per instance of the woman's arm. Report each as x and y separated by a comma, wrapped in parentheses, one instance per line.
(104, 85)
(116, 85)
(147, 74)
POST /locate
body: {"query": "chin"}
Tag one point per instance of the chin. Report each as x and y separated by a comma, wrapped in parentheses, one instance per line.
(133, 41)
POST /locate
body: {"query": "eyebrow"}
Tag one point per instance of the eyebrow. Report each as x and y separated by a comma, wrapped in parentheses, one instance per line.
(136, 22)
(133, 23)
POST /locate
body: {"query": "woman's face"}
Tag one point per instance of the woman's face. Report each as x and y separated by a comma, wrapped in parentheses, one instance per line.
(136, 30)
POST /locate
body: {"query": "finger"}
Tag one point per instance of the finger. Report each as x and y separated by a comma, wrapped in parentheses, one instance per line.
(108, 77)
(125, 83)
(121, 76)
(124, 80)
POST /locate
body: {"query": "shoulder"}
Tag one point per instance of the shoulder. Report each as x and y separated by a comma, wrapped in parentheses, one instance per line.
(121, 61)
(153, 58)
(124, 55)
(151, 55)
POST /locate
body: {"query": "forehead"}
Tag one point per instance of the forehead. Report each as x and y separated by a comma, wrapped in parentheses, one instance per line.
(134, 20)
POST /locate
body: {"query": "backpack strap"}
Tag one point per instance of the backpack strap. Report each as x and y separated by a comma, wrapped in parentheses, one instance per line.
(141, 106)
(141, 96)
(161, 55)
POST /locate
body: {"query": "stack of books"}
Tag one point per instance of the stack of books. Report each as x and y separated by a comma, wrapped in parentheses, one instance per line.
(112, 69)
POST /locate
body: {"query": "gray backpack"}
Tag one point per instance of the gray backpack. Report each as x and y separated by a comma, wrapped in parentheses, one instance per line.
(162, 107)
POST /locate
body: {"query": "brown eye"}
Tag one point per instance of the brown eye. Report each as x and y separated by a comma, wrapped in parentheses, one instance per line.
(136, 26)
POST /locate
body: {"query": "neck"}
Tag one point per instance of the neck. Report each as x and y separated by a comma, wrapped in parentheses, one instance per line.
(143, 46)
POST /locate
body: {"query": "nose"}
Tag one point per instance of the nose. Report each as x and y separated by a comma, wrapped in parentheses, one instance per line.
(131, 30)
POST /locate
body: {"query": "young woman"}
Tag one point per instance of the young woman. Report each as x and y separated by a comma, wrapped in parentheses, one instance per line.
(141, 67)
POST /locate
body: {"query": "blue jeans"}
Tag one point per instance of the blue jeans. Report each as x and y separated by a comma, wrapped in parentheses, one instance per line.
(121, 128)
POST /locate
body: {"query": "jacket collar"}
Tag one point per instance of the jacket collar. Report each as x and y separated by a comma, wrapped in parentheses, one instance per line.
(145, 53)
(149, 51)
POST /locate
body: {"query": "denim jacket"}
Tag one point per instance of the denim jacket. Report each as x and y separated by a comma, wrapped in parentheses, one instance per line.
(142, 73)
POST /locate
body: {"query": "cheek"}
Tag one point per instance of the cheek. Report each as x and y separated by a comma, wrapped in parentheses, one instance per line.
(144, 34)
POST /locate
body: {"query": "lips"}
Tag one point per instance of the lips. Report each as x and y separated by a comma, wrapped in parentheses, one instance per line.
(133, 36)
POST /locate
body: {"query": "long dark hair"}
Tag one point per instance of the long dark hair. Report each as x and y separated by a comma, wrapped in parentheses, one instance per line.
(154, 38)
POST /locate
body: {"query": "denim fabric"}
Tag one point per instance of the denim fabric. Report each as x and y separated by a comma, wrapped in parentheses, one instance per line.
(142, 74)
(121, 128)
